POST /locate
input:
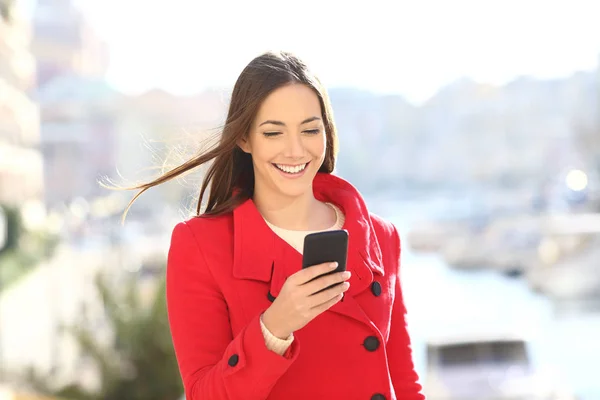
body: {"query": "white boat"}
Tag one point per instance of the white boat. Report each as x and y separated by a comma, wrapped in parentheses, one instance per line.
(482, 366)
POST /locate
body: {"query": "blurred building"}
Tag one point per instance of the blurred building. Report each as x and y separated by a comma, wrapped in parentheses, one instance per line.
(64, 42)
(78, 136)
(20, 159)
(77, 107)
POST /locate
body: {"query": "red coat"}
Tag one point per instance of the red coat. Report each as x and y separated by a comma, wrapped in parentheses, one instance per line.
(221, 274)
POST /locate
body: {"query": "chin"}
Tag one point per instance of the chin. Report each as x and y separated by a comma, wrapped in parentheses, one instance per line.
(294, 191)
(291, 185)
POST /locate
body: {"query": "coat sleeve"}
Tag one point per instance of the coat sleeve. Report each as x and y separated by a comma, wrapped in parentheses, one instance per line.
(402, 370)
(213, 363)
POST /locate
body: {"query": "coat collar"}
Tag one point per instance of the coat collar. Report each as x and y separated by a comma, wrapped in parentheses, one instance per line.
(260, 254)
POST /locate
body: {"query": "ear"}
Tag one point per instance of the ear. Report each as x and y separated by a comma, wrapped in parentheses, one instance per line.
(244, 145)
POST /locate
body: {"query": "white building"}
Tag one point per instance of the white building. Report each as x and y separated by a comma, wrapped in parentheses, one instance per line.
(20, 159)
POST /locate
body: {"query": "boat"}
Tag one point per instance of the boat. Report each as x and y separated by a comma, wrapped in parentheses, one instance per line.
(488, 365)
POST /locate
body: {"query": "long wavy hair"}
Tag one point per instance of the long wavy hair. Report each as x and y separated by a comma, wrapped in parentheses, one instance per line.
(230, 177)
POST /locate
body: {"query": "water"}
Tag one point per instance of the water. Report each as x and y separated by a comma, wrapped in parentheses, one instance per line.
(442, 300)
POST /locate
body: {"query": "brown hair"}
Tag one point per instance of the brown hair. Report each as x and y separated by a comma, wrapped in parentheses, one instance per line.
(231, 175)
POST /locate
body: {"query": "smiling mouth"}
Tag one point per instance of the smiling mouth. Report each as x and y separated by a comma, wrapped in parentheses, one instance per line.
(291, 169)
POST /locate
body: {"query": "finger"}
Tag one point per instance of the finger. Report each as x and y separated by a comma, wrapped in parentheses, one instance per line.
(325, 281)
(310, 273)
(326, 306)
(326, 295)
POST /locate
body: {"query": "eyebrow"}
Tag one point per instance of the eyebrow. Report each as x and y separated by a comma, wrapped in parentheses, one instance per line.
(280, 123)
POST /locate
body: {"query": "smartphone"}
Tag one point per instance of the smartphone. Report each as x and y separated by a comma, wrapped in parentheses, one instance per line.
(326, 246)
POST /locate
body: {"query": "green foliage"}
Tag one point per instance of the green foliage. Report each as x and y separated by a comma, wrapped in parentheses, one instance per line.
(6, 7)
(139, 362)
(23, 249)
(14, 226)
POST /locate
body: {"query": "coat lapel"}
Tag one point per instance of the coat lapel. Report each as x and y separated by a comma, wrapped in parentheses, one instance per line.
(364, 253)
(253, 244)
(259, 254)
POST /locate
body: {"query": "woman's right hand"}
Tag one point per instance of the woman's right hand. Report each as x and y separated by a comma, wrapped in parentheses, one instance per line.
(299, 303)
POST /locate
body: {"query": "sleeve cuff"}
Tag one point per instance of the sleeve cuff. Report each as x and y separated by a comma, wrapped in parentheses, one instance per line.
(273, 343)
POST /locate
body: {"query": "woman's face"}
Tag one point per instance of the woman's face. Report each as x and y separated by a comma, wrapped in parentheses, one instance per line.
(287, 142)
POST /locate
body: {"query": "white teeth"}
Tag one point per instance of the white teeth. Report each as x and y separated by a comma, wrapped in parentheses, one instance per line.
(291, 169)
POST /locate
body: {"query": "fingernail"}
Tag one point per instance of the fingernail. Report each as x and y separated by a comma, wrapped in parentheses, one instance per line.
(333, 265)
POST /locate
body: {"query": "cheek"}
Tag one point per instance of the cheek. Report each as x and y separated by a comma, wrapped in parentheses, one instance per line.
(263, 151)
(323, 148)
(318, 146)
(263, 162)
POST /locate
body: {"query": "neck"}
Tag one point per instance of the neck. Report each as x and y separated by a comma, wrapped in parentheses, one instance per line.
(301, 213)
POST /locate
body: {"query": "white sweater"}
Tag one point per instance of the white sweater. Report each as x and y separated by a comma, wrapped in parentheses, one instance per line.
(296, 240)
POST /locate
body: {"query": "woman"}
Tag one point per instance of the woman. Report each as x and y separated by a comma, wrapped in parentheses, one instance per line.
(245, 319)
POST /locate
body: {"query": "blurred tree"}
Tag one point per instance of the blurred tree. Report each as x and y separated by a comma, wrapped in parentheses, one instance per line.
(24, 249)
(14, 227)
(6, 7)
(138, 363)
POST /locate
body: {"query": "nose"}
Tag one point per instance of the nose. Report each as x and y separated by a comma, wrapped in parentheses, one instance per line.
(294, 146)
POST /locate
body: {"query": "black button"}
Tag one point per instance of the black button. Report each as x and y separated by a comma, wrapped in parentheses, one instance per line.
(233, 360)
(378, 396)
(376, 288)
(371, 343)
(270, 297)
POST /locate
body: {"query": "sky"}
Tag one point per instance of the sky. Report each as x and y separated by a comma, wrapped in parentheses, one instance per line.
(407, 47)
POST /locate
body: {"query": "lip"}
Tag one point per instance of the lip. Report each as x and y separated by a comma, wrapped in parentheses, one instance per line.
(292, 176)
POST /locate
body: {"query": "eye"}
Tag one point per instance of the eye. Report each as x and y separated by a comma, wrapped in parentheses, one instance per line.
(270, 134)
(312, 131)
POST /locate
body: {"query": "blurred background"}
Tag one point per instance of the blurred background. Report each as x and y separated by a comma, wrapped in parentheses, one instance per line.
(473, 125)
